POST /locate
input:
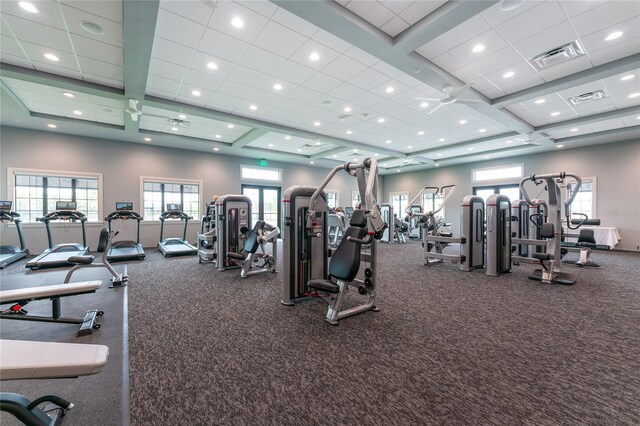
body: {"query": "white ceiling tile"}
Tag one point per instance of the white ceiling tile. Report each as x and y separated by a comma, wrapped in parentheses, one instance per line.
(395, 26)
(545, 40)
(238, 90)
(303, 94)
(99, 68)
(576, 7)
(496, 61)
(279, 39)
(346, 92)
(222, 45)
(90, 48)
(517, 84)
(110, 10)
(55, 40)
(583, 88)
(595, 41)
(373, 12)
(595, 107)
(495, 16)
(225, 11)
(387, 69)
(48, 13)
(197, 11)
(447, 62)
(112, 30)
(263, 97)
(322, 82)
(567, 68)
(294, 22)
(290, 105)
(632, 121)
(361, 56)
(492, 41)
(396, 6)
(105, 81)
(419, 9)
(368, 79)
(464, 32)
(178, 29)
(344, 68)
(166, 70)
(36, 54)
(367, 99)
(294, 72)
(9, 46)
(605, 16)
(171, 52)
(604, 125)
(43, 107)
(331, 41)
(263, 7)
(545, 14)
(160, 93)
(261, 60)
(431, 49)
(200, 61)
(466, 74)
(203, 80)
(327, 55)
(248, 76)
(220, 100)
(521, 70)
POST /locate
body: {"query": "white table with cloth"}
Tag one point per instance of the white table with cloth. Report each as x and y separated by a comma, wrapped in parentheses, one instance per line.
(604, 235)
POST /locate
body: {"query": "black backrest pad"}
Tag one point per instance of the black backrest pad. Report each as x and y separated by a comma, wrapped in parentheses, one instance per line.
(547, 230)
(586, 236)
(358, 219)
(251, 244)
(345, 262)
(103, 240)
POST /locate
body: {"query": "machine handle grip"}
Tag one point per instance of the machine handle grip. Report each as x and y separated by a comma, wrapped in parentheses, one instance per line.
(365, 240)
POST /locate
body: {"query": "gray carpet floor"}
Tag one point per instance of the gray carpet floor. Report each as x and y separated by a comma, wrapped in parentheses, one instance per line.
(447, 347)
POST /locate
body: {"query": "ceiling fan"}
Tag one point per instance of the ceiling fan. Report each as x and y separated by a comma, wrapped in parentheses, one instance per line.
(133, 110)
(452, 97)
(530, 140)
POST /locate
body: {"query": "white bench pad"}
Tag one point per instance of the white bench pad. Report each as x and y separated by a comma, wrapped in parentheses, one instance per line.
(48, 291)
(22, 359)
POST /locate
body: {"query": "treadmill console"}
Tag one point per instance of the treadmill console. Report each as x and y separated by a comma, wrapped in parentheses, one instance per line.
(174, 207)
(124, 206)
(5, 206)
(66, 206)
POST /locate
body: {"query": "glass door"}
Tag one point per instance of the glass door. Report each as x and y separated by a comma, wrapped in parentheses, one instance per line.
(265, 203)
(511, 191)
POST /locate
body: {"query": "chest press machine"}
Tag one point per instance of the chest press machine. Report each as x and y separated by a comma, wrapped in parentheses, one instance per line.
(261, 234)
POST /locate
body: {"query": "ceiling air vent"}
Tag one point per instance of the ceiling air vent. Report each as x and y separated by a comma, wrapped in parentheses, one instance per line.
(587, 97)
(178, 123)
(558, 55)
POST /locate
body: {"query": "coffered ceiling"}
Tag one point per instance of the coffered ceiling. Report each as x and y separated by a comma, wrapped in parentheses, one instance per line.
(324, 82)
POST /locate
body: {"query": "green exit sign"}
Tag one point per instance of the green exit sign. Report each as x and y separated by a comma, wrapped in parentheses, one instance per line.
(263, 163)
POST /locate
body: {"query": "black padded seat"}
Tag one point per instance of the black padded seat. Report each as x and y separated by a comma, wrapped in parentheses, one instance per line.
(235, 256)
(547, 230)
(542, 256)
(81, 260)
(446, 234)
(586, 238)
(251, 244)
(324, 285)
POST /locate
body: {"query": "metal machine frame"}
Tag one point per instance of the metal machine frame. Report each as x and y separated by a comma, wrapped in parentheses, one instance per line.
(11, 253)
(232, 224)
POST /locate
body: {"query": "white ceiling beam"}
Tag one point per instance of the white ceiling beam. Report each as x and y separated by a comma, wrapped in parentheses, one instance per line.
(443, 19)
(464, 144)
(616, 113)
(60, 119)
(249, 137)
(14, 98)
(619, 66)
(325, 153)
(485, 153)
(624, 133)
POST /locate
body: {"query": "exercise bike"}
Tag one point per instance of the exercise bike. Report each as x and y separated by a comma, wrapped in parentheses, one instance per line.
(104, 245)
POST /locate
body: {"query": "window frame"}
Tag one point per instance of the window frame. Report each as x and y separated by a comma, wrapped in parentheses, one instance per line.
(401, 214)
(171, 181)
(433, 198)
(499, 181)
(259, 180)
(11, 184)
(333, 191)
(594, 192)
(353, 194)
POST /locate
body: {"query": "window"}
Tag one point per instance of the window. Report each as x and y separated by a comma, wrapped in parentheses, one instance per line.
(432, 202)
(355, 199)
(332, 198)
(260, 173)
(35, 192)
(511, 191)
(511, 172)
(585, 201)
(399, 201)
(158, 192)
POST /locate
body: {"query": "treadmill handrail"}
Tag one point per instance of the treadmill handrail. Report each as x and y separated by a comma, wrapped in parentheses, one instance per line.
(123, 215)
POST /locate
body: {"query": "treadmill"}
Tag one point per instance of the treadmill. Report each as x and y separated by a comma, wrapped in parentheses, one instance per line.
(11, 253)
(124, 249)
(59, 254)
(175, 246)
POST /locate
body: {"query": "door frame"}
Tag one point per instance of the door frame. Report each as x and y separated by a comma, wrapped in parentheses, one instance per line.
(260, 205)
(496, 188)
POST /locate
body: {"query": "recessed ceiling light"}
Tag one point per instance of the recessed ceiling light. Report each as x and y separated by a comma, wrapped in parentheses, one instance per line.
(469, 149)
(559, 146)
(638, 117)
(218, 136)
(397, 170)
(420, 133)
(388, 141)
(335, 156)
(575, 129)
(482, 130)
(409, 146)
(437, 165)
(627, 77)
(508, 74)
(375, 155)
(349, 132)
(182, 116)
(230, 126)
(53, 126)
(478, 48)
(614, 35)
(509, 142)
(508, 5)
(253, 107)
(316, 123)
(384, 165)
(318, 143)
(389, 89)
(92, 28)
(237, 22)
(196, 93)
(355, 160)
(487, 157)
(270, 145)
(462, 121)
(555, 114)
(287, 137)
(277, 86)
(28, 7)
(347, 109)
(69, 95)
(51, 57)
(299, 150)
(314, 56)
(424, 105)
(439, 155)
(442, 139)
(381, 120)
(540, 101)
(175, 129)
(216, 149)
(355, 151)
(77, 112)
(147, 139)
(212, 65)
(634, 95)
(310, 162)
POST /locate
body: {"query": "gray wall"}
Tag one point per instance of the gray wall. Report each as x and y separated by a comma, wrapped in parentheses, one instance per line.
(122, 164)
(616, 167)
